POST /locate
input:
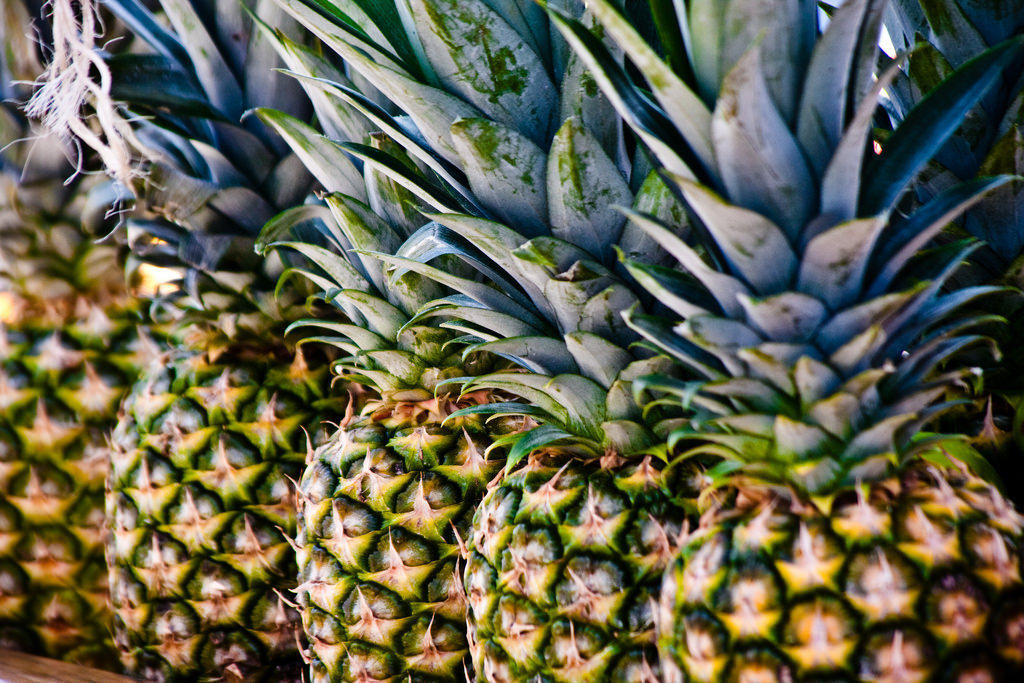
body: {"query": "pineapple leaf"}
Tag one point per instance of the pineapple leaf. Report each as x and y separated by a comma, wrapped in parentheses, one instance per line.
(530, 387)
(937, 310)
(341, 273)
(360, 336)
(506, 171)
(928, 125)
(755, 247)
(722, 337)
(908, 322)
(211, 70)
(481, 293)
(661, 333)
(723, 287)
(499, 243)
(836, 414)
(340, 32)
(797, 441)
(263, 85)
(383, 318)
(912, 234)
(754, 394)
(786, 317)
(526, 443)
(681, 105)
(671, 288)
(830, 85)
(528, 20)
(380, 22)
(814, 380)
(842, 177)
(155, 81)
(833, 263)
(953, 32)
(878, 439)
(379, 117)
(785, 32)
(602, 313)
(394, 169)
(477, 54)
(431, 108)
(331, 167)
(144, 25)
(363, 230)
(583, 187)
(656, 198)
(771, 178)
(650, 124)
(702, 22)
(597, 358)
(435, 239)
(281, 227)
(940, 449)
(585, 401)
(540, 354)
(465, 309)
(339, 123)
(853, 321)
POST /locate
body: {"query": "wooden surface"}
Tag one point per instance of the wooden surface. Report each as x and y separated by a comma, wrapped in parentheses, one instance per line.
(16, 667)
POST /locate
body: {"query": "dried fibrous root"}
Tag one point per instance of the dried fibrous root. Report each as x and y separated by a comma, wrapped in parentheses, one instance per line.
(72, 97)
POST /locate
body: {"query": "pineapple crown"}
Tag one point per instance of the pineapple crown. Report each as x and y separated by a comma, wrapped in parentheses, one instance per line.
(206, 178)
(495, 131)
(814, 332)
(991, 140)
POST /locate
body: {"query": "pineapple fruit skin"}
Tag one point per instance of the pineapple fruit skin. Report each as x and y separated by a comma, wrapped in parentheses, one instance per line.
(71, 344)
(60, 384)
(912, 578)
(201, 511)
(386, 503)
(565, 567)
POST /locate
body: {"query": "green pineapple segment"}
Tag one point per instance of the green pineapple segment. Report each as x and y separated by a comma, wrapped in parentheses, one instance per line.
(70, 347)
(832, 545)
(202, 512)
(565, 570)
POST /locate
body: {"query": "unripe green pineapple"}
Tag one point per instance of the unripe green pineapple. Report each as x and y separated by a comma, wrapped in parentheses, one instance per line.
(385, 505)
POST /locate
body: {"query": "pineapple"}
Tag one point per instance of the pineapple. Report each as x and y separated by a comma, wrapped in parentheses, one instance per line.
(70, 347)
(201, 498)
(988, 142)
(385, 502)
(832, 545)
(517, 175)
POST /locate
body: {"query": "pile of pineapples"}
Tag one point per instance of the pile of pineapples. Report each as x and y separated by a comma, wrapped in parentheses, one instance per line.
(453, 340)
